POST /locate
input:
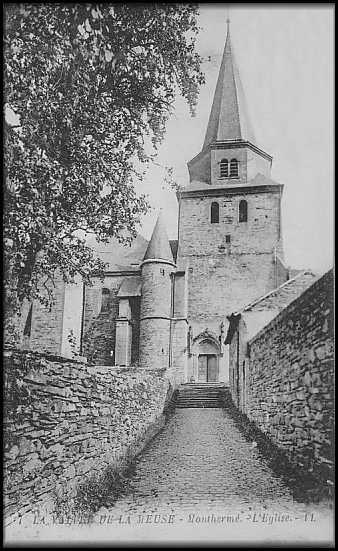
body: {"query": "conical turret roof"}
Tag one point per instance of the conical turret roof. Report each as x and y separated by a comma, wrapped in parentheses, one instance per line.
(229, 118)
(159, 247)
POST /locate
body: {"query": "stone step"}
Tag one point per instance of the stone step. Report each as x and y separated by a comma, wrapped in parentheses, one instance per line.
(199, 392)
(204, 386)
(203, 390)
(186, 400)
(193, 402)
(181, 400)
(199, 405)
(198, 401)
(201, 395)
(204, 399)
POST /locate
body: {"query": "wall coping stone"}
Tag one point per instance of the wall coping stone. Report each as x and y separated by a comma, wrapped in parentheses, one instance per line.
(9, 350)
(292, 306)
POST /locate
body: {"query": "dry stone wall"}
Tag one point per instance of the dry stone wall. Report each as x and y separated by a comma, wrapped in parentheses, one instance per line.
(65, 421)
(291, 377)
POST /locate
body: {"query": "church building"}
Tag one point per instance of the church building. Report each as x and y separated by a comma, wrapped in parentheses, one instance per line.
(165, 304)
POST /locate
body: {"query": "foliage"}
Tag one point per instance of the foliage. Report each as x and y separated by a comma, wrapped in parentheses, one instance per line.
(95, 491)
(18, 395)
(304, 486)
(73, 345)
(92, 86)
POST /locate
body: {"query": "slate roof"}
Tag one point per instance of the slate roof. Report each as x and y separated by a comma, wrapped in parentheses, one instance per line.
(174, 246)
(130, 287)
(258, 180)
(229, 119)
(121, 257)
(261, 311)
(261, 180)
(282, 296)
(158, 246)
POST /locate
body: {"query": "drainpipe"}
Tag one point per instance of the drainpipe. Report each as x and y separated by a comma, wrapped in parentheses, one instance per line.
(237, 370)
(172, 275)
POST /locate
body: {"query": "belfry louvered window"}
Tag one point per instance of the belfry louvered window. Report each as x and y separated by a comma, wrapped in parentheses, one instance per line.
(214, 218)
(243, 211)
(224, 168)
(233, 167)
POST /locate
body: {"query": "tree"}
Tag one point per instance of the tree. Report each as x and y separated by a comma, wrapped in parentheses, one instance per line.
(93, 86)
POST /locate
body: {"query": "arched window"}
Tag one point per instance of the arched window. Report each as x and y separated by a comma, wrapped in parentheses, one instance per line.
(243, 211)
(224, 168)
(214, 213)
(233, 167)
(105, 299)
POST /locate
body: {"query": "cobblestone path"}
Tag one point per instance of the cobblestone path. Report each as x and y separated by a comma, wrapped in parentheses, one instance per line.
(215, 484)
(201, 458)
(201, 480)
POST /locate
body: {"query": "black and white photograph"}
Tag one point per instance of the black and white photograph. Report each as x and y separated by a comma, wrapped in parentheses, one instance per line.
(168, 274)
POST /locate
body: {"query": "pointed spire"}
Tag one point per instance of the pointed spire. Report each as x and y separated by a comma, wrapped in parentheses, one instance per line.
(228, 118)
(228, 25)
(159, 247)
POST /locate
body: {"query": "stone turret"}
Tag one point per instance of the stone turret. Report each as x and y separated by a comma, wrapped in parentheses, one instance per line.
(156, 300)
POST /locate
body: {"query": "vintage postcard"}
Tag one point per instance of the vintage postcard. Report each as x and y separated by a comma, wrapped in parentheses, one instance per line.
(168, 274)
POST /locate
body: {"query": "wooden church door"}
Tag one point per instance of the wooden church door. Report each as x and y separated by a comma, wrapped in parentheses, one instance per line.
(212, 373)
(207, 368)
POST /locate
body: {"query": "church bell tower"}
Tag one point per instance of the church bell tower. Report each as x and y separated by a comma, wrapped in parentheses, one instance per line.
(229, 228)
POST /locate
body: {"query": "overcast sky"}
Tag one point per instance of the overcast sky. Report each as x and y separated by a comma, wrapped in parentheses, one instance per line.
(285, 59)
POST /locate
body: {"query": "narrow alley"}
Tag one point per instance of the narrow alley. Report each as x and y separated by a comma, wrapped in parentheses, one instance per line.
(199, 479)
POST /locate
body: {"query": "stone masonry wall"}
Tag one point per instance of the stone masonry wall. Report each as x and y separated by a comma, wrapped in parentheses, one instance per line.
(282, 273)
(100, 326)
(179, 338)
(198, 236)
(47, 326)
(155, 314)
(154, 343)
(50, 327)
(99, 330)
(290, 386)
(234, 153)
(223, 284)
(65, 421)
(224, 275)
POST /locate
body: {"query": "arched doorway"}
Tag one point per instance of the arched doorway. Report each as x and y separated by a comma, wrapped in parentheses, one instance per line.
(208, 361)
